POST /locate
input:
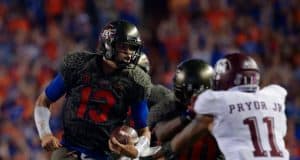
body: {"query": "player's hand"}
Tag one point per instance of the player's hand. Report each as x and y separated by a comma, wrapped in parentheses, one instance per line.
(165, 152)
(190, 114)
(159, 156)
(50, 142)
(187, 116)
(128, 150)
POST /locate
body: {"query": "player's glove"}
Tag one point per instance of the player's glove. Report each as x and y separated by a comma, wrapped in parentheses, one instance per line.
(165, 152)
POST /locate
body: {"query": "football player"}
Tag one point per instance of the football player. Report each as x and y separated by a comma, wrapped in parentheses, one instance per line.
(171, 115)
(98, 88)
(248, 123)
(158, 92)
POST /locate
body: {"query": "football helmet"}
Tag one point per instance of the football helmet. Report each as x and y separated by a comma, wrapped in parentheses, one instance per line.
(143, 62)
(192, 77)
(119, 33)
(236, 69)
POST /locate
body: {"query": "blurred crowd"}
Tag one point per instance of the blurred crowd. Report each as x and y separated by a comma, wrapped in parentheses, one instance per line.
(36, 34)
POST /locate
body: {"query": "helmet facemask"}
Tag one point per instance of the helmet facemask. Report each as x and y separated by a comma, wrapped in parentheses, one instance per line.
(116, 34)
(130, 51)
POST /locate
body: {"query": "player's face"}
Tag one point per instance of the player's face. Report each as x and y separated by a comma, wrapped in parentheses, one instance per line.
(125, 52)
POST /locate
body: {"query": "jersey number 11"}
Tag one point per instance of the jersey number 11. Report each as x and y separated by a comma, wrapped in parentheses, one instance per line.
(256, 138)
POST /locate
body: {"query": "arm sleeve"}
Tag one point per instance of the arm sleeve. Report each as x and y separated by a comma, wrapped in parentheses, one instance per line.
(139, 114)
(56, 88)
(163, 110)
(157, 94)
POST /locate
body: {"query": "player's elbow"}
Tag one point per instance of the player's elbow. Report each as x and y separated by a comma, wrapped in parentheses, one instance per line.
(42, 100)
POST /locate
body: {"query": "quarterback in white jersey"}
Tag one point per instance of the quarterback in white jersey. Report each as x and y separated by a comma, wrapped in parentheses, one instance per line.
(248, 123)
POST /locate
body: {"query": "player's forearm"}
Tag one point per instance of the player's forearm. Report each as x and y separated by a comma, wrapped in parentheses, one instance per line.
(197, 128)
(164, 131)
(42, 115)
(145, 132)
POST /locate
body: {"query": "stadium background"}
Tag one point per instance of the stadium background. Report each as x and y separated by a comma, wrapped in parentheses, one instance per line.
(35, 34)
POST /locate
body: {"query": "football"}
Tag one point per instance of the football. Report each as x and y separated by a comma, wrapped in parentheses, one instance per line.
(125, 135)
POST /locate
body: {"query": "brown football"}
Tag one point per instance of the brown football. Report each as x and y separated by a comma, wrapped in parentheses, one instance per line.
(125, 135)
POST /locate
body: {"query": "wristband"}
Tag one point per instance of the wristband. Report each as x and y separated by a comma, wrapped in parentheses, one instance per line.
(41, 118)
(167, 151)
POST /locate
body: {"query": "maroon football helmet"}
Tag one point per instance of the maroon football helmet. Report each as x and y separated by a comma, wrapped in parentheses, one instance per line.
(236, 70)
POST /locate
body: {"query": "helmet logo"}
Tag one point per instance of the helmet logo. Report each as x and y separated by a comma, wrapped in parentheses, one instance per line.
(108, 34)
(222, 66)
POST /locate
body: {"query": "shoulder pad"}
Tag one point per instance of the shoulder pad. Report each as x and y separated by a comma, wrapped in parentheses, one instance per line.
(206, 102)
(158, 93)
(73, 62)
(271, 89)
(77, 59)
(141, 78)
(209, 96)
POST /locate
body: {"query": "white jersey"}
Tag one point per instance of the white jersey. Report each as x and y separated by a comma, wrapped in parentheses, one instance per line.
(247, 126)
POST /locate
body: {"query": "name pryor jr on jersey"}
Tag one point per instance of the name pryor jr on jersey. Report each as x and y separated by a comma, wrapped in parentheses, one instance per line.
(254, 105)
